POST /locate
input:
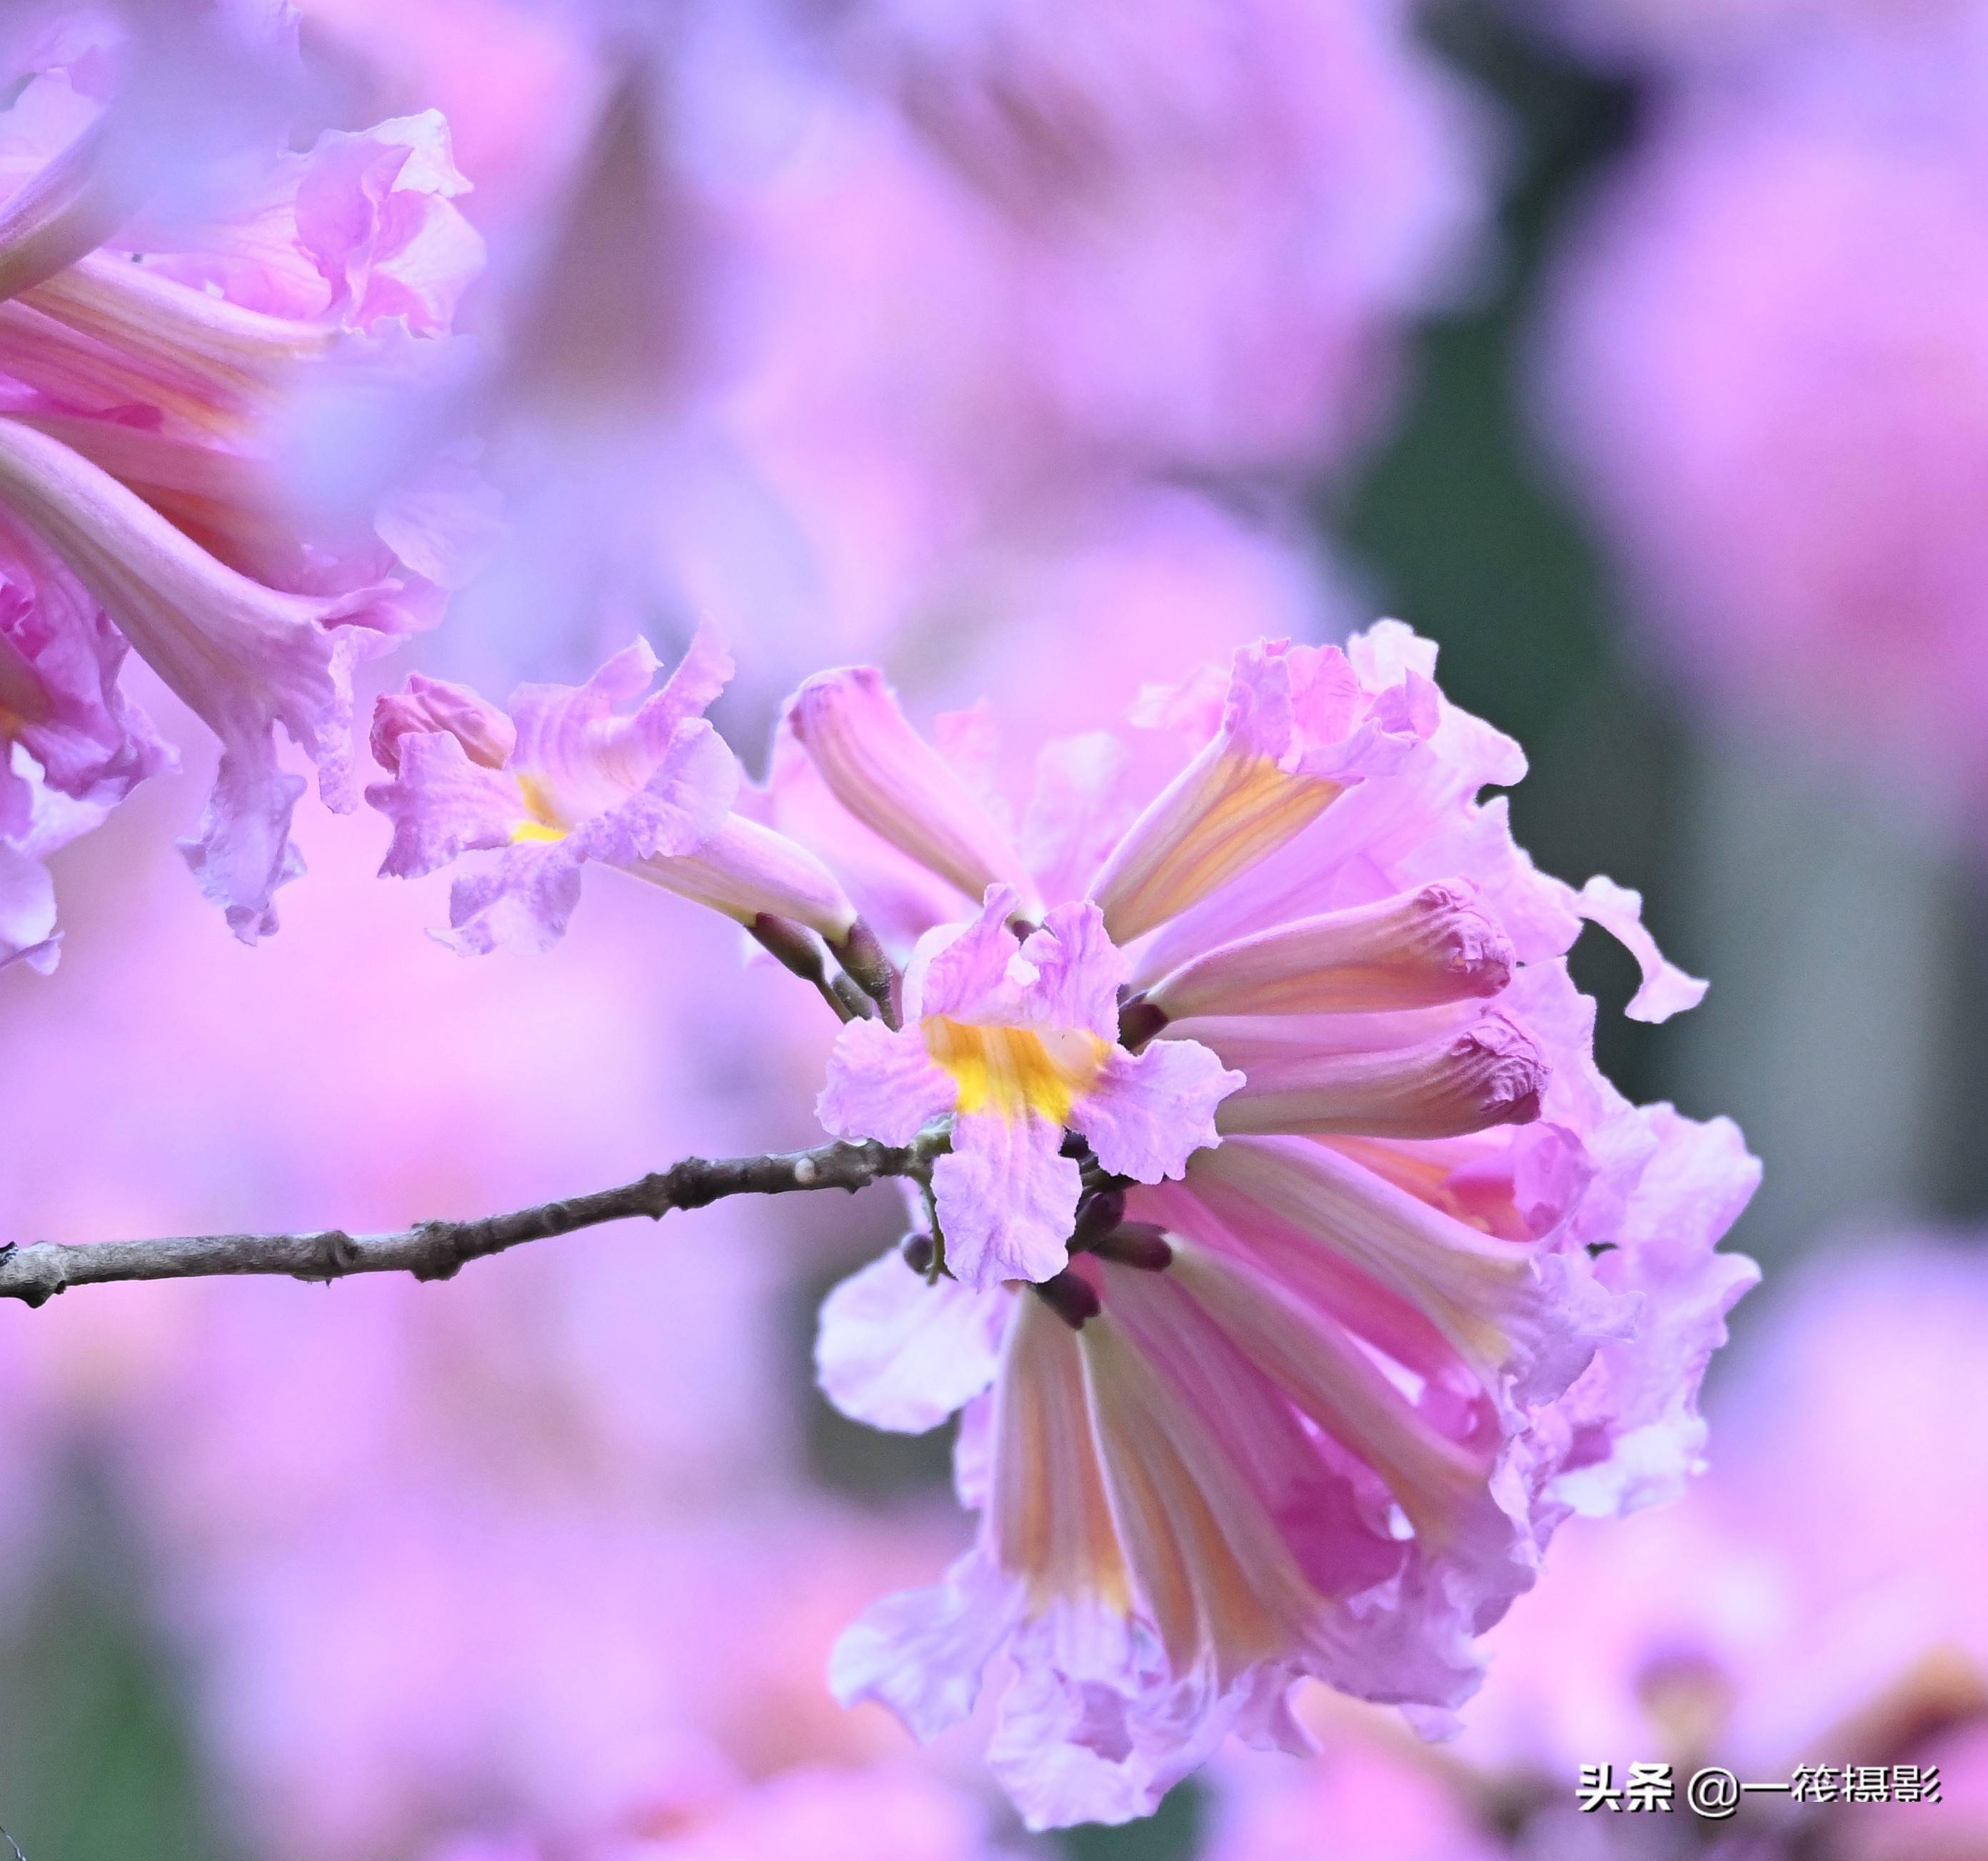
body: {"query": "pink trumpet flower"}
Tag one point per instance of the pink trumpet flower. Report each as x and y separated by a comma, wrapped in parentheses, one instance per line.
(162, 295)
(565, 778)
(1292, 1304)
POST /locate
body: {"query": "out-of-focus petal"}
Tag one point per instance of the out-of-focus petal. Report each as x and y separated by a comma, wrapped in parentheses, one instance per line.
(899, 1353)
(897, 785)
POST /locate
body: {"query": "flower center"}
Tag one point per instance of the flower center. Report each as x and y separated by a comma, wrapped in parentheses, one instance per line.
(1015, 1070)
(539, 822)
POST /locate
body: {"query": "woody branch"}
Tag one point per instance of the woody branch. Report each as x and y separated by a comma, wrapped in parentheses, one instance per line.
(438, 1250)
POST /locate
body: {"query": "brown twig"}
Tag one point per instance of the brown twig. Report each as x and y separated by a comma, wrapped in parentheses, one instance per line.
(437, 1250)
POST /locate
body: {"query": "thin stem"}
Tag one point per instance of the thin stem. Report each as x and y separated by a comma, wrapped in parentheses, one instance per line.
(801, 951)
(438, 1250)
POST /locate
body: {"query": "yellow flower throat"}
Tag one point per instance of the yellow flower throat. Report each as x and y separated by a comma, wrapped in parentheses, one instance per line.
(1015, 1070)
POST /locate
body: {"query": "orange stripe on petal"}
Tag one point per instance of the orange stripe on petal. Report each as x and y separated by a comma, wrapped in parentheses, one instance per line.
(1051, 1524)
(1222, 814)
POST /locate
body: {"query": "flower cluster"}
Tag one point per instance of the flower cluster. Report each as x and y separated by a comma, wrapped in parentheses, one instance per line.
(157, 314)
(1296, 1271)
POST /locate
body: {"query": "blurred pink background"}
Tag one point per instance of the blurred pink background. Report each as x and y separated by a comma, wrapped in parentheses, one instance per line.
(1635, 353)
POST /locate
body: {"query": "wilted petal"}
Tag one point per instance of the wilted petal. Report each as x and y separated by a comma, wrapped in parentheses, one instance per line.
(922, 1652)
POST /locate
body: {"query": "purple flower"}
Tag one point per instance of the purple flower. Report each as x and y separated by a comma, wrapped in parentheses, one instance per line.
(1017, 1044)
(567, 777)
(1310, 1399)
(1200, 224)
(165, 294)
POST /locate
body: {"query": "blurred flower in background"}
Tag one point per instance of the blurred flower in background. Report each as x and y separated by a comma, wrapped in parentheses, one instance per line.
(172, 273)
(1786, 437)
(1758, 363)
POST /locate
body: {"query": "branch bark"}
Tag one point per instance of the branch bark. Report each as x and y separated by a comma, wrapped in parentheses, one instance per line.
(438, 1250)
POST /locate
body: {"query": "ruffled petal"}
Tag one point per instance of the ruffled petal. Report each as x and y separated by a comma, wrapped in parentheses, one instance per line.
(1149, 1112)
(374, 212)
(1007, 1197)
(243, 852)
(922, 1652)
(901, 1354)
(586, 759)
(27, 912)
(524, 906)
(1079, 971)
(1095, 1729)
(442, 804)
(686, 794)
(1639, 1434)
(569, 771)
(245, 657)
(968, 971)
(1667, 989)
(882, 1084)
